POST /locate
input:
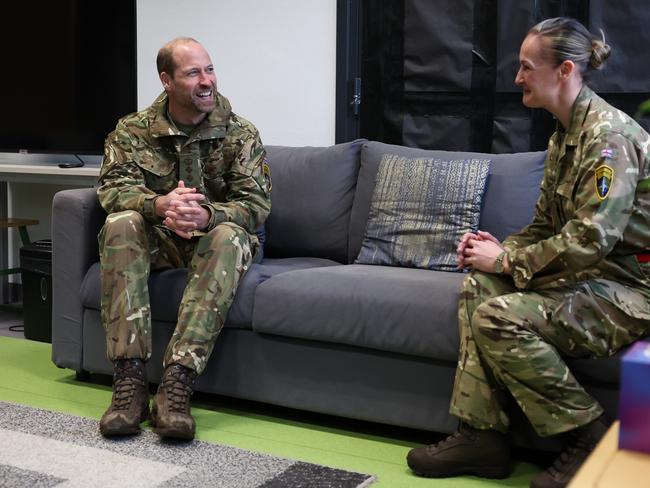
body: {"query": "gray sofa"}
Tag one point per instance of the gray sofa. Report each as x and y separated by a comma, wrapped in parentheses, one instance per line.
(309, 329)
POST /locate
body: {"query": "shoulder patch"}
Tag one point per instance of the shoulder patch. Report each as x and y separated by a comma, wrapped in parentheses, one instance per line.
(604, 178)
(266, 171)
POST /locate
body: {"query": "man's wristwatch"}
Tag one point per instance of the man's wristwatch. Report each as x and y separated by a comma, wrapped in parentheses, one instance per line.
(498, 263)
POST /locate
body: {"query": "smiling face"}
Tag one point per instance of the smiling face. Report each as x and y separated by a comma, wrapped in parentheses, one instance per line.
(538, 75)
(192, 87)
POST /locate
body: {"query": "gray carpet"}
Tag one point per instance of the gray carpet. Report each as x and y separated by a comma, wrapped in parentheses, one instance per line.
(39, 448)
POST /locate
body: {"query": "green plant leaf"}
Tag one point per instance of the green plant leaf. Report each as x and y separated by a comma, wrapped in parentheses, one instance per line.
(644, 108)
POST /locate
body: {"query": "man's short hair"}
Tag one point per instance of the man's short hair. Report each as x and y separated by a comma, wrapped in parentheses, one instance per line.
(165, 59)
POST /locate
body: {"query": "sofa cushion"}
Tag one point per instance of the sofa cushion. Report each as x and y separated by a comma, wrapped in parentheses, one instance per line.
(241, 312)
(402, 310)
(512, 187)
(313, 189)
(420, 209)
(166, 288)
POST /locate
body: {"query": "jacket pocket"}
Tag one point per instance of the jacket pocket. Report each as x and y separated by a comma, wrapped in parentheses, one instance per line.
(563, 205)
(159, 173)
(213, 166)
(630, 301)
(214, 170)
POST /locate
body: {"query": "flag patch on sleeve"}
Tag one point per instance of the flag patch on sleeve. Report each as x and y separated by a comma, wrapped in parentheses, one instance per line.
(608, 153)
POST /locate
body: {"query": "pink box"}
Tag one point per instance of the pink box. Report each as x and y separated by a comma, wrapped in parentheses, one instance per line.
(634, 407)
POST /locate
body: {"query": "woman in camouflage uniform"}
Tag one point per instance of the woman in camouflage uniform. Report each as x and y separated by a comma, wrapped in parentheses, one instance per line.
(572, 283)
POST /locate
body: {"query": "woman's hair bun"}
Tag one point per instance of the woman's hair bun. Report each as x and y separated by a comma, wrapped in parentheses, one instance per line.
(599, 52)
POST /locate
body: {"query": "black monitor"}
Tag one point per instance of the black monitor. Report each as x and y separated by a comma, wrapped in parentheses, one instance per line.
(68, 74)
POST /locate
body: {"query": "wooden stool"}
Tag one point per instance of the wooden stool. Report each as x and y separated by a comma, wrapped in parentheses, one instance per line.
(24, 236)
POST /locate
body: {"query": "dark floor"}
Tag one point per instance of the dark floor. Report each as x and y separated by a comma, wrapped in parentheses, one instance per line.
(11, 321)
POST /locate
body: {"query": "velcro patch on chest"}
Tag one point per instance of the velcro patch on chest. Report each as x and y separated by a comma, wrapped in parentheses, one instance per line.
(604, 179)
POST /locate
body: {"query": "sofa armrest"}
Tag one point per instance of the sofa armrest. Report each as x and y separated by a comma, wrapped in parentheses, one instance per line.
(77, 218)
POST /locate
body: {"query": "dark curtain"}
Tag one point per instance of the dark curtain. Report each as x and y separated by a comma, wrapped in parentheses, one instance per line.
(439, 74)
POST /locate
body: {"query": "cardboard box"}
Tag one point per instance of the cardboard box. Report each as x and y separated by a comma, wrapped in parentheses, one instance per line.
(634, 407)
(609, 467)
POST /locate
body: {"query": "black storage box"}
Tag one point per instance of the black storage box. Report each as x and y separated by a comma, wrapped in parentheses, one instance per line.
(36, 276)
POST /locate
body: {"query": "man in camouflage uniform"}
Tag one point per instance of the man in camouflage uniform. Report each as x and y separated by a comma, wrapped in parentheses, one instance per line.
(575, 283)
(186, 184)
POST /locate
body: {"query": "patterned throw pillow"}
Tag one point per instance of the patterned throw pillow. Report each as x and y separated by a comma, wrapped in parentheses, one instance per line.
(420, 209)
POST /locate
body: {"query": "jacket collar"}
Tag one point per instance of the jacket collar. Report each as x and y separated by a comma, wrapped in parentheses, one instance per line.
(579, 113)
(212, 127)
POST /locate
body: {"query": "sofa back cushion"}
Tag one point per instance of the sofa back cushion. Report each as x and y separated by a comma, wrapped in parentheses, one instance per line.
(311, 200)
(508, 204)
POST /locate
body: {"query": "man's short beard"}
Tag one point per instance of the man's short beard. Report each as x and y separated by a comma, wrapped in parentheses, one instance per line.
(203, 107)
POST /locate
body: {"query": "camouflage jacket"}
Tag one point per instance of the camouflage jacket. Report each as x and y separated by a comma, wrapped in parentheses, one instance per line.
(593, 213)
(143, 159)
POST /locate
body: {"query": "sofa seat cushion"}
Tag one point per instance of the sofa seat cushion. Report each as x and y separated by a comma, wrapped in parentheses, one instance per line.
(401, 310)
(166, 288)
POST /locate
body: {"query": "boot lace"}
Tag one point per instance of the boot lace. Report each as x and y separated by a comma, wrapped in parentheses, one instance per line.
(568, 462)
(178, 385)
(462, 433)
(448, 441)
(127, 378)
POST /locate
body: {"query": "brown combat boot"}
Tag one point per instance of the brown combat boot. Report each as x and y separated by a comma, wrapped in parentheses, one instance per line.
(170, 414)
(130, 403)
(582, 442)
(470, 451)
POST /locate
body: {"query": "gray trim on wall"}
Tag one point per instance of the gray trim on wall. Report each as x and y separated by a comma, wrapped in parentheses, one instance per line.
(4, 244)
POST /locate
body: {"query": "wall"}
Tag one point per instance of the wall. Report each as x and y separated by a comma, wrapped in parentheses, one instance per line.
(275, 60)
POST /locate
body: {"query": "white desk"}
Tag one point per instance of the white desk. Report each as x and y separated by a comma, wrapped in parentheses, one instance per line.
(14, 170)
(38, 168)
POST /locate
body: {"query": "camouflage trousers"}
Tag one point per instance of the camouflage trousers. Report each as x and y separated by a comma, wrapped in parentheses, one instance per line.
(513, 342)
(130, 247)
